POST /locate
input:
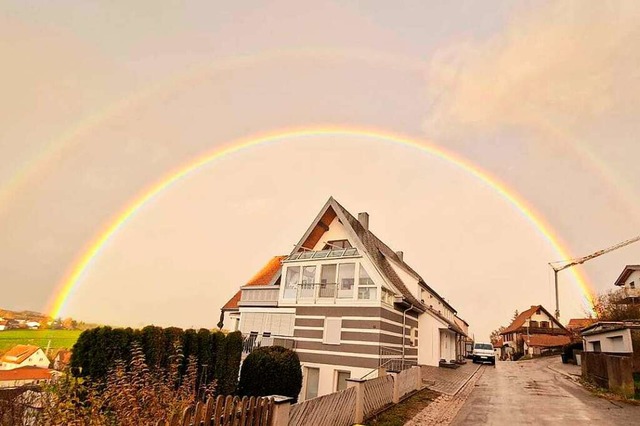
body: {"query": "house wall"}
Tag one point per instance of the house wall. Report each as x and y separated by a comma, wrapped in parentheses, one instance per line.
(336, 231)
(37, 359)
(23, 382)
(231, 320)
(328, 379)
(634, 278)
(617, 341)
(429, 346)
(542, 316)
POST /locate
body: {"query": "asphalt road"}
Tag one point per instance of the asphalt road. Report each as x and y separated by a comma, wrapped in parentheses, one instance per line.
(528, 392)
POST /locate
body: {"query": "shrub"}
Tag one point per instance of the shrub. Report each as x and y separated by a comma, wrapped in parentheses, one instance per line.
(272, 370)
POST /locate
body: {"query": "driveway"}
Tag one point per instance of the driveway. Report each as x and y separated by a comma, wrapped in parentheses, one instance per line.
(528, 392)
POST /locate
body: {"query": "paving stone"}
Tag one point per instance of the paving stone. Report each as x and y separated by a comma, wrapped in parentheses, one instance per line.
(447, 380)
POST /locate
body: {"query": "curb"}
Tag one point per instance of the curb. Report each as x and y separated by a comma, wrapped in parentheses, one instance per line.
(564, 373)
(467, 381)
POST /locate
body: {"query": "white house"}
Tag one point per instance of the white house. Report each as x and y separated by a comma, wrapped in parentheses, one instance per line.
(33, 325)
(629, 283)
(614, 337)
(23, 356)
(348, 303)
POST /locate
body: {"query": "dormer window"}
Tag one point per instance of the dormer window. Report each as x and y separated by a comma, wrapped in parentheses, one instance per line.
(337, 244)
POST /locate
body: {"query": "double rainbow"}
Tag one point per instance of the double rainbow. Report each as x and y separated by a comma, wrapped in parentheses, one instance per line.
(73, 278)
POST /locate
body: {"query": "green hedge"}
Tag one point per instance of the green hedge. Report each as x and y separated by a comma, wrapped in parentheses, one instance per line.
(218, 355)
(271, 370)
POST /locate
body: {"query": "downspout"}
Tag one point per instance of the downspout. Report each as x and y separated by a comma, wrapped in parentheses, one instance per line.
(404, 332)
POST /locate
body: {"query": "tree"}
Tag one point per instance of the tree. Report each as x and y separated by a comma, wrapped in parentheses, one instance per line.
(228, 363)
(608, 307)
(495, 334)
(271, 370)
(515, 315)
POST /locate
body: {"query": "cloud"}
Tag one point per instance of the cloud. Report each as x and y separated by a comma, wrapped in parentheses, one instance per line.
(567, 65)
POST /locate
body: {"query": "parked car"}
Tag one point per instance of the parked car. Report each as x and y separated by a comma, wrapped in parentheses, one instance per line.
(483, 352)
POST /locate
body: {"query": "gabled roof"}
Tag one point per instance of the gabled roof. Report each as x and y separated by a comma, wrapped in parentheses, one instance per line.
(606, 326)
(19, 353)
(625, 274)
(25, 373)
(381, 255)
(525, 315)
(267, 275)
(579, 323)
(547, 340)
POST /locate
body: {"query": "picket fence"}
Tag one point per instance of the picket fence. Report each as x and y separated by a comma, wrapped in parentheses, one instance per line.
(225, 411)
(361, 400)
(378, 394)
(332, 409)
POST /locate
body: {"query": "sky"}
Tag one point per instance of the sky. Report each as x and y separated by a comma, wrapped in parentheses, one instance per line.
(104, 99)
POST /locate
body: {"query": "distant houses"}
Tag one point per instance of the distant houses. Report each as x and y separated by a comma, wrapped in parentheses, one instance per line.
(24, 356)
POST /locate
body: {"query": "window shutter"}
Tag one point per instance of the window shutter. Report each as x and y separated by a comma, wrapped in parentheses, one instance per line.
(332, 330)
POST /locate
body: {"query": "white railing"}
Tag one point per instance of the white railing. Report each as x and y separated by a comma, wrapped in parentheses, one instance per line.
(251, 341)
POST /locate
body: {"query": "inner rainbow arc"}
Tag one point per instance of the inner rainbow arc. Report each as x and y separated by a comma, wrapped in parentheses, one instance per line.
(83, 262)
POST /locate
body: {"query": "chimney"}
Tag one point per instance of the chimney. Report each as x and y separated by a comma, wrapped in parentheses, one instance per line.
(363, 218)
(400, 255)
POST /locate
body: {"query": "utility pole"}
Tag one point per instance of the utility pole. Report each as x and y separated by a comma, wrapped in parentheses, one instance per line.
(573, 262)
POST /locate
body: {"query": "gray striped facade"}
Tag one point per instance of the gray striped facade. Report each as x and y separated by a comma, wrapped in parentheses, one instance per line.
(375, 327)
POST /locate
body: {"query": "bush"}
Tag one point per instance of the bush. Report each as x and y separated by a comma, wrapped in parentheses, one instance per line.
(271, 370)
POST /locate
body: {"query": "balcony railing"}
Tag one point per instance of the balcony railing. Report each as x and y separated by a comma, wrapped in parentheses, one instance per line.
(320, 292)
(259, 296)
(324, 254)
(255, 340)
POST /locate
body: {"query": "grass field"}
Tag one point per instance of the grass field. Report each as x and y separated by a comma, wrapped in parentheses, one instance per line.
(58, 338)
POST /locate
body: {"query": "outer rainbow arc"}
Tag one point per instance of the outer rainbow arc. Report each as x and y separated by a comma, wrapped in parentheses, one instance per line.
(72, 279)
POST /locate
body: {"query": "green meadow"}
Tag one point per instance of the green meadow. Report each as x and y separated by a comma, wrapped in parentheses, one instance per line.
(58, 338)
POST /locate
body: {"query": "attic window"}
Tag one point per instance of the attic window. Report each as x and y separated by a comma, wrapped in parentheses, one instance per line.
(538, 312)
(335, 244)
(632, 285)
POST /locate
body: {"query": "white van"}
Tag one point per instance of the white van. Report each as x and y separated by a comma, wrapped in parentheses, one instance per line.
(483, 352)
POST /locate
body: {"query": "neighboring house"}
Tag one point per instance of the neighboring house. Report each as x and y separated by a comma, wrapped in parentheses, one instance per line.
(61, 359)
(25, 376)
(629, 283)
(349, 303)
(534, 332)
(22, 356)
(3, 325)
(33, 325)
(614, 337)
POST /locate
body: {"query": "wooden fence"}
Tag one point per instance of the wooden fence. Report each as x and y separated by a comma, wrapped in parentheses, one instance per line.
(378, 394)
(361, 400)
(225, 411)
(332, 409)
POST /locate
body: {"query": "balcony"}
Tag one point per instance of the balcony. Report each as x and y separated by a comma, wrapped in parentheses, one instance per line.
(266, 295)
(628, 296)
(326, 293)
